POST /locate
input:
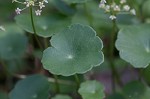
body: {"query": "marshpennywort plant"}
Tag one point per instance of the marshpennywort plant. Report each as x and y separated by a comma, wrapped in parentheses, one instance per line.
(38, 4)
(113, 8)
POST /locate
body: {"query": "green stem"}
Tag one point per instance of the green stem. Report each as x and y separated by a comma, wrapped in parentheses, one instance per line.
(140, 74)
(115, 75)
(51, 80)
(56, 80)
(112, 40)
(141, 16)
(55, 76)
(34, 30)
(46, 42)
(77, 80)
(57, 84)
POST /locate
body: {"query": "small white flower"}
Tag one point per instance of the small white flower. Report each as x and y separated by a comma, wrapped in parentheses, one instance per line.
(116, 8)
(126, 7)
(29, 3)
(18, 10)
(41, 5)
(107, 8)
(45, 1)
(103, 1)
(123, 1)
(113, 5)
(38, 12)
(101, 5)
(112, 17)
(132, 11)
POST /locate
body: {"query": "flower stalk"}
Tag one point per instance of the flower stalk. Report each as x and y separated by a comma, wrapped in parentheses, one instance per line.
(34, 30)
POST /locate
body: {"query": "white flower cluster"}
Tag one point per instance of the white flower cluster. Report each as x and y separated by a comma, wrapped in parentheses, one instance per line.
(114, 8)
(31, 3)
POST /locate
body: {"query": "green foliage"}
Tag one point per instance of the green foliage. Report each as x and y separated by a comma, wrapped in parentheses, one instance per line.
(66, 40)
(116, 96)
(136, 90)
(62, 97)
(91, 90)
(13, 43)
(146, 8)
(32, 87)
(63, 7)
(45, 26)
(133, 44)
(75, 50)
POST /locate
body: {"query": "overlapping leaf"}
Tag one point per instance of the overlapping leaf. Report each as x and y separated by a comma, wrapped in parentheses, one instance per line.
(63, 7)
(75, 50)
(45, 26)
(32, 87)
(133, 44)
(136, 90)
(91, 90)
(13, 42)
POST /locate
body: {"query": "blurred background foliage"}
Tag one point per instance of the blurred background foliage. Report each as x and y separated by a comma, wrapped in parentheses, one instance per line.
(20, 54)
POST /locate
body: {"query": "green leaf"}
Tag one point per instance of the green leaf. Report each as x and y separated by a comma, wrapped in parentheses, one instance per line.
(16, 66)
(13, 42)
(136, 90)
(75, 50)
(63, 7)
(89, 14)
(32, 87)
(91, 90)
(133, 44)
(45, 26)
(62, 97)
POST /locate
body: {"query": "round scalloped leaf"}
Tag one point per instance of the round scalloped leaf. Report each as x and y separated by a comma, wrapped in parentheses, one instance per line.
(13, 42)
(91, 90)
(75, 50)
(32, 87)
(45, 26)
(133, 44)
(62, 97)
